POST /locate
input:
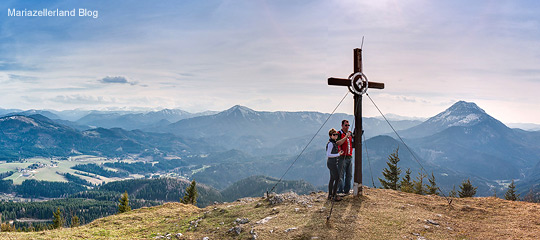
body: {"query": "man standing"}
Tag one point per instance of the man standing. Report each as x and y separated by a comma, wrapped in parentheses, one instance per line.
(346, 145)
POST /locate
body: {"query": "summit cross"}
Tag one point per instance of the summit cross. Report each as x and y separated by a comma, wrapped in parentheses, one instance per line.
(358, 85)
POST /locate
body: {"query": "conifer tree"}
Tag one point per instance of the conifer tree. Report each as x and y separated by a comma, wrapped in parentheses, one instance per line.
(418, 184)
(406, 184)
(432, 188)
(467, 189)
(58, 220)
(391, 174)
(190, 197)
(453, 193)
(75, 221)
(124, 203)
(511, 193)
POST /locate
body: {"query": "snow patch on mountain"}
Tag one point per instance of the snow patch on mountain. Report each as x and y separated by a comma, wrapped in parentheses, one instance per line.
(460, 114)
(471, 118)
(22, 119)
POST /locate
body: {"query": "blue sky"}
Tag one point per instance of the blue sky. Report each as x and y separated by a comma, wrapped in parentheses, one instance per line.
(273, 55)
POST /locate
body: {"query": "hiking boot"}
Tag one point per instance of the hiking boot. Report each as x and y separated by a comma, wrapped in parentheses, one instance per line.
(337, 198)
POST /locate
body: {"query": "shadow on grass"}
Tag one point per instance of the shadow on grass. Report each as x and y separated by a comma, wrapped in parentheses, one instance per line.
(325, 226)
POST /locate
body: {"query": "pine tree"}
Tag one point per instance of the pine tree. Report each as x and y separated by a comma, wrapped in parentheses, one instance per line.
(406, 184)
(511, 193)
(190, 197)
(453, 193)
(467, 189)
(124, 203)
(432, 188)
(391, 174)
(58, 220)
(75, 221)
(418, 184)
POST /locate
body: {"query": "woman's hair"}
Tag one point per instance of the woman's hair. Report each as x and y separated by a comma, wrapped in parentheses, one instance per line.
(331, 131)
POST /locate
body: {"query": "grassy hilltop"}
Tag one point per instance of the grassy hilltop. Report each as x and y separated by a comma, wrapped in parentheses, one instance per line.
(379, 214)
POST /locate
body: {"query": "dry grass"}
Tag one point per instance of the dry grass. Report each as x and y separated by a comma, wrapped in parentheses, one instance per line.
(143, 223)
(379, 214)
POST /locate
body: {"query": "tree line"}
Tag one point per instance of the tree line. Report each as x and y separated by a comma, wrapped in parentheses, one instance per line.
(99, 170)
(420, 186)
(32, 188)
(86, 210)
(73, 212)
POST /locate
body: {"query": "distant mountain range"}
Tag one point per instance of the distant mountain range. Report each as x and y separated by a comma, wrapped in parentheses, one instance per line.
(525, 126)
(461, 142)
(269, 132)
(133, 121)
(129, 120)
(36, 135)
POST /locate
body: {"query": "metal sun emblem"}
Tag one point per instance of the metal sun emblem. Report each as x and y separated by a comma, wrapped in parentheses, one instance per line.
(359, 83)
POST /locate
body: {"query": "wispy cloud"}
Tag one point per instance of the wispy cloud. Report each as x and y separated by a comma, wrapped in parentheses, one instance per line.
(82, 99)
(10, 65)
(22, 78)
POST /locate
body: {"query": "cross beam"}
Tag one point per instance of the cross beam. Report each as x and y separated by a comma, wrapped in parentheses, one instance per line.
(347, 82)
(357, 68)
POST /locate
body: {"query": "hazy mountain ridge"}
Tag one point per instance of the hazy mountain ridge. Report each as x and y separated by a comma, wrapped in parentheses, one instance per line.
(266, 132)
(36, 135)
(131, 121)
(128, 120)
(525, 126)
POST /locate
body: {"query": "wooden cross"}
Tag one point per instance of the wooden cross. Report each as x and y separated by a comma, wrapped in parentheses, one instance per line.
(358, 84)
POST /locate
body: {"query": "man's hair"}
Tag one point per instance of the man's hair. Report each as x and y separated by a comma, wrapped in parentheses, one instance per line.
(343, 122)
(331, 131)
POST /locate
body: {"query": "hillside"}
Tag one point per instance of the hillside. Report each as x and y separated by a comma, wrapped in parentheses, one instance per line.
(36, 135)
(255, 185)
(379, 214)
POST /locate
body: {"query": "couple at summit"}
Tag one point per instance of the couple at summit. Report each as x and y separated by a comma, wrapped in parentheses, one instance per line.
(339, 152)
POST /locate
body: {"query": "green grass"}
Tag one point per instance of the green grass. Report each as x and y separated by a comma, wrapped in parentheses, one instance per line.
(48, 173)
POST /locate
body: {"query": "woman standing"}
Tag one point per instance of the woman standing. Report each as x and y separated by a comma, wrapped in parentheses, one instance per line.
(333, 153)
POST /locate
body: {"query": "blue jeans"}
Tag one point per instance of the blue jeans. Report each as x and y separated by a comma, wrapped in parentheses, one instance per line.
(345, 174)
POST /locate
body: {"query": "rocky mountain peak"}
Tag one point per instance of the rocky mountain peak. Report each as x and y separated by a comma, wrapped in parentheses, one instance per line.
(239, 110)
(460, 114)
(462, 106)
